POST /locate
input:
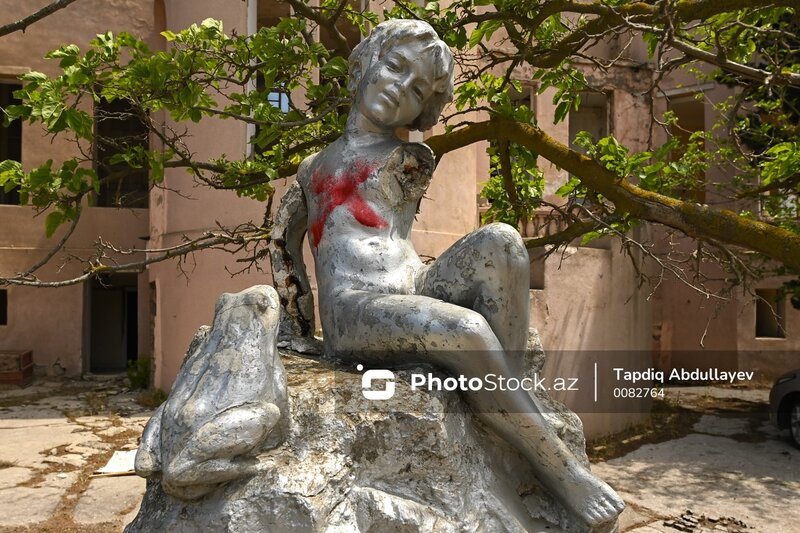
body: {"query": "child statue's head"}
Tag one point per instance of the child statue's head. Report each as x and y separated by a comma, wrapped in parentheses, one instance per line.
(402, 75)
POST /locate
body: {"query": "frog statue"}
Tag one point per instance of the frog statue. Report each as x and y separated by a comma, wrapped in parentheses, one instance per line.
(229, 401)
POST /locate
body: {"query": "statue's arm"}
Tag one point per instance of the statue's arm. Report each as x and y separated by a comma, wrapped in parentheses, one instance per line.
(289, 270)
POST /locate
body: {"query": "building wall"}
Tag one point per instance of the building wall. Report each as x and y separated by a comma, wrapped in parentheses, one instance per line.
(768, 357)
(578, 310)
(590, 311)
(714, 326)
(51, 321)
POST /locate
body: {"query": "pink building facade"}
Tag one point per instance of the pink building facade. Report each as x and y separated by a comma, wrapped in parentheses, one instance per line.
(584, 300)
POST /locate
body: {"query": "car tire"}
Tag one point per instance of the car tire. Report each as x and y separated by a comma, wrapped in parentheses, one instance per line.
(794, 423)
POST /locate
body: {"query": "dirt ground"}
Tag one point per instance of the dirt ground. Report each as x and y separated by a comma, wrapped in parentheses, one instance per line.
(708, 461)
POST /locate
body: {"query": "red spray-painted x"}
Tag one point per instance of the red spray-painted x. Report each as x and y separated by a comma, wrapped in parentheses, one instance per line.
(341, 190)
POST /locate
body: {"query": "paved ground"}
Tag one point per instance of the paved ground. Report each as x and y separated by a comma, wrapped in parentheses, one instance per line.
(53, 436)
(730, 472)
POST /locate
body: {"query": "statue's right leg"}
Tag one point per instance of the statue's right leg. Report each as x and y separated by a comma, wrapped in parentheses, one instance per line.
(395, 329)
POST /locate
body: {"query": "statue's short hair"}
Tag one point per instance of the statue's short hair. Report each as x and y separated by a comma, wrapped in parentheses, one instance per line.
(387, 35)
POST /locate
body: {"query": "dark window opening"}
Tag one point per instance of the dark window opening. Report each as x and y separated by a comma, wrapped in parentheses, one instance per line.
(118, 127)
(10, 140)
(270, 13)
(276, 97)
(3, 307)
(690, 113)
(770, 314)
(538, 261)
(593, 116)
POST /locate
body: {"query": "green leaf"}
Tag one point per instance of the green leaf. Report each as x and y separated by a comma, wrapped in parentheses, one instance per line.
(41, 176)
(79, 122)
(52, 222)
(477, 35)
(336, 66)
(562, 109)
(568, 187)
(33, 76)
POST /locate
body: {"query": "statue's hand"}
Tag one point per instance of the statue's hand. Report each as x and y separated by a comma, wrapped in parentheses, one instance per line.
(409, 169)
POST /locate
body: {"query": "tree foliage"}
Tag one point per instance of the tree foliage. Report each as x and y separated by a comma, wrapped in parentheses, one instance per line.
(204, 72)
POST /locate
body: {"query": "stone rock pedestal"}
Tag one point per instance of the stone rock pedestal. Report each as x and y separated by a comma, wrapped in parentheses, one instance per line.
(417, 462)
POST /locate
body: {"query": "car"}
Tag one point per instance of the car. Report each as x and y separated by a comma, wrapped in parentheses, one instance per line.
(784, 404)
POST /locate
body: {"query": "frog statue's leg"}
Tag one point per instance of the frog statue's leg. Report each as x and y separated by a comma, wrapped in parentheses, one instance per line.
(148, 456)
(470, 330)
(219, 450)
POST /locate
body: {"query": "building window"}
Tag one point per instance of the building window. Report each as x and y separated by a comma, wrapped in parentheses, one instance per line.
(119, 127)
(592, 116)
(276, 96)
(770, 314)
(3, 307)
(538, 257)
(690, 113)
(10, 140)
(280, 100)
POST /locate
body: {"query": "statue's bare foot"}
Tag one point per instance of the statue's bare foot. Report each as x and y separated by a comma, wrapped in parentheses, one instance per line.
(592, 500)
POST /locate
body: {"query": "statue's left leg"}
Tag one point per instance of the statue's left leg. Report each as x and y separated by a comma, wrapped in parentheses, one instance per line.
(487, 271)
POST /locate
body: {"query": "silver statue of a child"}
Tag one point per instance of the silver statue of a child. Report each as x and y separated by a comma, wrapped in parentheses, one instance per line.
(467, 312)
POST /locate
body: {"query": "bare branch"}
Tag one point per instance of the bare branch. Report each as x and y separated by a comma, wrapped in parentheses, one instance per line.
(59, 245)
(719, 60)
(23, 24)
(573, 231)
(209, 239)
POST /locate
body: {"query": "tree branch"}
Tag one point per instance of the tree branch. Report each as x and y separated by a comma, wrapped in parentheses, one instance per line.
(59, 245)
(693, 219)
(611, 17)
(209, 239)
(23, 24)
(508, 178)
(757, 74)
(573, 231)
(340, 43)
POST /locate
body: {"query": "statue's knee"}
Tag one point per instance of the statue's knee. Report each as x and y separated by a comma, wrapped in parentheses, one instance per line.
(504, 241)
(475, 331)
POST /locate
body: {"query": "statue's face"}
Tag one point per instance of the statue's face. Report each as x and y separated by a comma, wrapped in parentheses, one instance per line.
(393, 91)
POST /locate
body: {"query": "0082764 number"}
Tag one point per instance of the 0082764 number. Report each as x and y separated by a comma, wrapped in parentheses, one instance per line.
(638, 392)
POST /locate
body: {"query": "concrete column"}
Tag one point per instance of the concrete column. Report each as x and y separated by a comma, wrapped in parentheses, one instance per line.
(187, 290)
